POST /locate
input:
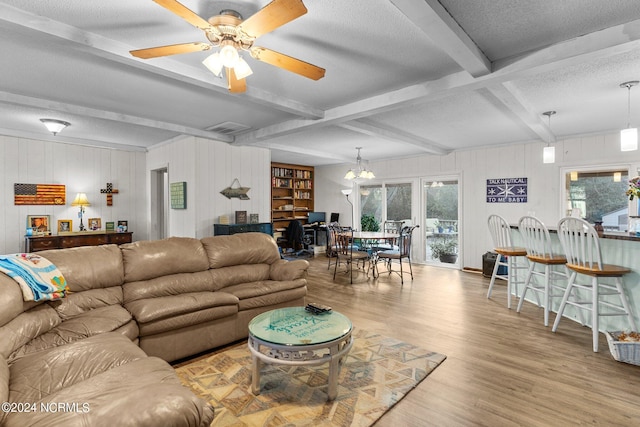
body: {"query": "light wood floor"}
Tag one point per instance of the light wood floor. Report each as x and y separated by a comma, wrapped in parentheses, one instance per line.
(503, 368)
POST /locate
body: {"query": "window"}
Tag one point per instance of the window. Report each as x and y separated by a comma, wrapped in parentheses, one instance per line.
(600, 196)
(394, 206)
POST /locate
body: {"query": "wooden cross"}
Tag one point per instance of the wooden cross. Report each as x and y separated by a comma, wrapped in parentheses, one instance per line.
(109, 191)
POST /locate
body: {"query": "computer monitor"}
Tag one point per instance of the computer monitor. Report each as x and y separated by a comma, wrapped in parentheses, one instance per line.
(334, 217)
(316, 217)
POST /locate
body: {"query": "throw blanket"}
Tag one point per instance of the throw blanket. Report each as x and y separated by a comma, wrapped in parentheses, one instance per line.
(38, 278)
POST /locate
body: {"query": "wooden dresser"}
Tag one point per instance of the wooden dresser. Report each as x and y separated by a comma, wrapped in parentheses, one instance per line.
(72, 240)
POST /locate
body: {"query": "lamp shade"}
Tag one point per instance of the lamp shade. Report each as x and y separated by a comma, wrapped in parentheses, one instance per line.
(346, 191)
(229, 56)
(549, 155)
(81, 200)
(214, 63)
(629, 139)
(242, 69)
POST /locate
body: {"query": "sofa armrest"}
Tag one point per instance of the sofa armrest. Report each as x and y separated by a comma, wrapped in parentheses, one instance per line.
(288, 270)
(4, 380)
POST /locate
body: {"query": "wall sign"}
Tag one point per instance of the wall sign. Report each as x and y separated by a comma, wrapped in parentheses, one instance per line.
(507, 190)
(39, 194)
(178, 195)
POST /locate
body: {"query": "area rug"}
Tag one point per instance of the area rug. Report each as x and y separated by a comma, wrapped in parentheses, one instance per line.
(377, 373)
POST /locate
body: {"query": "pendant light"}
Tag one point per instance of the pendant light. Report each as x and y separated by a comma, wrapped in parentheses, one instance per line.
(629, 136)
(549, 152)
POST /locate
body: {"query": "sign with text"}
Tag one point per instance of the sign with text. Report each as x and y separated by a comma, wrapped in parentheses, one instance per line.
(507, 190)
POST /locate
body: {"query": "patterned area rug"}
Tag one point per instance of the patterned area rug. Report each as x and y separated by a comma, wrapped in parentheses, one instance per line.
(378, 372)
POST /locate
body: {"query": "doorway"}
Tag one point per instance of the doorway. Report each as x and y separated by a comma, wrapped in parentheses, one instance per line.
(159, 225)
(441, 202)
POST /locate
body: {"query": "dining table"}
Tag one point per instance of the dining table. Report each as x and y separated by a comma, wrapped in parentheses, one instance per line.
(369, 238)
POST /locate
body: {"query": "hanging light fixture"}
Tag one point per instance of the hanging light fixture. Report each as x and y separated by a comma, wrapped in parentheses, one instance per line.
(361, 173)
(54, 126)
(549, 152)
(230, 43)
(629, 136)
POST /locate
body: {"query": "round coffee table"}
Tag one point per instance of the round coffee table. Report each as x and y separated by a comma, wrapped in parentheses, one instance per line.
(293, 336)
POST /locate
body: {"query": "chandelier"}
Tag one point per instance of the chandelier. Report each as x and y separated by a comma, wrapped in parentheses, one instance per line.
(361, 173)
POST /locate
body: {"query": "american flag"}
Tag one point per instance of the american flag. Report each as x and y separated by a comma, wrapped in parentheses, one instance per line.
(39, 194)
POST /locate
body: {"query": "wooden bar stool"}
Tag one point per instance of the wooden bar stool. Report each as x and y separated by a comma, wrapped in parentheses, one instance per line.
(537, 242)
(503, 246)
(582, 248)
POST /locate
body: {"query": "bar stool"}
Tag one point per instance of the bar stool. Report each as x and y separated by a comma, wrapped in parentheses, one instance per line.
(503, 246)
(537, 242)
(582, 248)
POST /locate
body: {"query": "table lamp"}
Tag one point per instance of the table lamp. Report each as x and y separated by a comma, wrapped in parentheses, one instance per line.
(81, 200)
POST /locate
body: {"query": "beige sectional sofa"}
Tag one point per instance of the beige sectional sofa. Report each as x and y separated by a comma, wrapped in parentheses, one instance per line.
(99, 356)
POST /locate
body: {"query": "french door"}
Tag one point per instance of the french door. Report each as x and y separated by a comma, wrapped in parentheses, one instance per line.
(441, 207)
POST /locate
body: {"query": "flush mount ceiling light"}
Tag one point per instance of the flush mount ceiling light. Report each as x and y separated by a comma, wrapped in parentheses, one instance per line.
(54, 126)
(229, 32)
(361, 173)
(549, 152)
(629, 136)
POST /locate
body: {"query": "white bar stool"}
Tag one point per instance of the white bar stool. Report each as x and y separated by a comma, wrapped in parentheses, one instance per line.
(582, 248)
(501, 234)
(537, 242)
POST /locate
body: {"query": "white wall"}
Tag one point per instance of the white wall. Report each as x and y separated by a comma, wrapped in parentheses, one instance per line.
(208, 167)
(475, 167)
(80, 169)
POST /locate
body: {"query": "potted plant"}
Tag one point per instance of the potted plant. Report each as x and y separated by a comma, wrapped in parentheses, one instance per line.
(445, 249)
(369, 223)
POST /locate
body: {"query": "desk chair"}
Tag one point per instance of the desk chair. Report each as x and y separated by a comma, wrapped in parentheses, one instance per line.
(581, 245)
(503, 246)
(403, 252)
(537, 242)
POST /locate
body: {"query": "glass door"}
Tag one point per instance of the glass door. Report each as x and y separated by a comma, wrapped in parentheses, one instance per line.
(441, 198)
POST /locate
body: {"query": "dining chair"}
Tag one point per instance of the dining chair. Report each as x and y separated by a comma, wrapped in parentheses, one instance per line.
(332, 229)
(389, 227)
(537, 242)
(508, 256)
(403, 252)
(581, 245)
(347, 252)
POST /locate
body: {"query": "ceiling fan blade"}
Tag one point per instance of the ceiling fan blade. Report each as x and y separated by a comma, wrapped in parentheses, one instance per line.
(174, 49)
(272, 16)
(187, 14)
(288, 63)
(235, 85)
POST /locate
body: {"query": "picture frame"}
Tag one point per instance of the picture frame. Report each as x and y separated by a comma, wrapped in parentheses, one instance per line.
(254, 218)
(94, 224)
(123, 225)
(110, 226)
(40, 224)
(178, 192)
(65, 226)
(241, 217)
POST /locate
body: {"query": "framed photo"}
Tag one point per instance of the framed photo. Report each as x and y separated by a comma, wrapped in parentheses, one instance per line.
(241, 217)
(65, 226)
(178, 195)
(94, 224)
(110, 226)
(40, 224)
(254, 218)
(123, 225)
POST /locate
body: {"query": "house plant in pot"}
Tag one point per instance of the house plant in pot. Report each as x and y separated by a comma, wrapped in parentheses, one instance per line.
(445, 249)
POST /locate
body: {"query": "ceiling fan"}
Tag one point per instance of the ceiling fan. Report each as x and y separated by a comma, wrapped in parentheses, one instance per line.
(232, 34)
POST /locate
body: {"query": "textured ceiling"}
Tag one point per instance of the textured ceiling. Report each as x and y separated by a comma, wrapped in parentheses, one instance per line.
(403, 77)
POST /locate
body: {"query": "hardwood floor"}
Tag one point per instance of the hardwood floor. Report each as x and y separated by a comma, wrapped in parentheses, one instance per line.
(503, 368)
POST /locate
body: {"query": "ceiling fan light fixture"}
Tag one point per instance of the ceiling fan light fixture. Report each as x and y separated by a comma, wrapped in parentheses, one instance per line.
(229, 55)
(214, 63)
(242, 69)
(54, 126)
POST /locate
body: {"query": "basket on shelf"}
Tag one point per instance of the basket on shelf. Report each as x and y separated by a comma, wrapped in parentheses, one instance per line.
(623, 351)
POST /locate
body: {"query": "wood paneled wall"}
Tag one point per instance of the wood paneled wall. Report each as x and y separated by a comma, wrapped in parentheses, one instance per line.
(81, 169)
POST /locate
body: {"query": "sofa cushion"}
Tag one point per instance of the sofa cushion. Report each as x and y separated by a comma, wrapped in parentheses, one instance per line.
(175, 323)
(38, 375)
(236, 274)
(88, 267)
(77, 303)
(241, 248)
(4, 381)
(25, 327)
(144, 260)
(174, 284)
(267, 292)
(288, 270)
(11, 301)
(149, 310)
(142, 393)
(94, 322)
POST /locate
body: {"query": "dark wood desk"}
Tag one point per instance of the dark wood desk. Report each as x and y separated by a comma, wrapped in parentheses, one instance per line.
(72, 240)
